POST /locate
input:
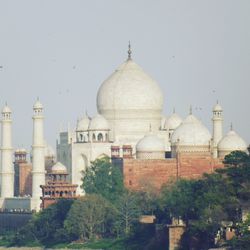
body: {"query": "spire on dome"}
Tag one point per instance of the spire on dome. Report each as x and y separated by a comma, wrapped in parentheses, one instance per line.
(129, 51)
(231, 126)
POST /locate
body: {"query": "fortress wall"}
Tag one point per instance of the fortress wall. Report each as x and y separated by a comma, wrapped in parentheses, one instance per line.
(153, 174)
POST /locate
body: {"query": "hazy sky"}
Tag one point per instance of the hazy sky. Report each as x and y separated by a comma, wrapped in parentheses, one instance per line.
(198, 51)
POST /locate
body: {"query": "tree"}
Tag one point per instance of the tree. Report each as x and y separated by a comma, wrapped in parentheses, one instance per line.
(237, 158)
(128, 212)
(242, 240)
(46, 226)
(237, 172)
(103, 178)
(89, 217)
(178, 199)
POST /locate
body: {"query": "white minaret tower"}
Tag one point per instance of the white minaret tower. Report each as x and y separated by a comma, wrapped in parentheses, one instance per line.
(38, 162)
(217, 127)
(7, 168)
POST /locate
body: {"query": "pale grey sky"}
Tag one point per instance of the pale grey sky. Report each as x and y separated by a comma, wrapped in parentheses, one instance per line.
(197, 50)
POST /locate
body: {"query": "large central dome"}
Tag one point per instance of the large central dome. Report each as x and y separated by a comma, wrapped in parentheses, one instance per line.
(130, 100)
(129, 88)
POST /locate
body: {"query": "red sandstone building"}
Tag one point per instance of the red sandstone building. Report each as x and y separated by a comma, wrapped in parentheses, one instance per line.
(23, 171)
(23, 178)
(57, 186)
(148, 172)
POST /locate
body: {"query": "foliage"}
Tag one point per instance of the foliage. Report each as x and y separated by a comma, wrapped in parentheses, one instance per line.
(242, 240)
(178, 199)
(204, 204)
(237, 158)
(104, 179)
(45, 227)
(109, 210)
(128, 213)
(89, 217)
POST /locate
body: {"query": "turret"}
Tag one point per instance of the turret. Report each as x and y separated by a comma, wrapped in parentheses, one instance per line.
(7, 169)
(38, 163)
(217, 128)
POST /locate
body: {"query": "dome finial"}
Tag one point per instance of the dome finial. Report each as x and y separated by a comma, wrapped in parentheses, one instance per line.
(190, 110)
(129, 51)
(150, 127)
(174, 110)
(231, 126)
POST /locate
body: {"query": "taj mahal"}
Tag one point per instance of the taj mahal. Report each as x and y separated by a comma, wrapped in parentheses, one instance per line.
(129, 117)
(130, 112)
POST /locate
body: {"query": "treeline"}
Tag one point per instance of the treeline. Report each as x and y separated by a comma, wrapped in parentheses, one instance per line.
(109, 211)
(209, 205)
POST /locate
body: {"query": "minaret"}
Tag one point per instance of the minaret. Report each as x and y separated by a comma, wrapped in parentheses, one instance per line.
(217, 128)
(7, 168)
(38, 162)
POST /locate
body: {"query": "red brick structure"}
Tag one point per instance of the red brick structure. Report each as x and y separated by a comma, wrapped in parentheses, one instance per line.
(142, 174)
(23, 178)
(57, 187)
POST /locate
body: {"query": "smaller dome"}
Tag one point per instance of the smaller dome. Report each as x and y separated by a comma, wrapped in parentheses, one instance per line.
(6, 109)
(150, 143)
(83, 124)
(58, 168)
(98, 123)
(20, 150)
(217, 107)
(38, 105)
(231, 142)
(191, 132)
(172, 122)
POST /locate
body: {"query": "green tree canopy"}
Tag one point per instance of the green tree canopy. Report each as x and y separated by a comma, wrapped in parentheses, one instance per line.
(237, 158)
(128, 212)
(46, 226)
(89, 216)
(103, 178)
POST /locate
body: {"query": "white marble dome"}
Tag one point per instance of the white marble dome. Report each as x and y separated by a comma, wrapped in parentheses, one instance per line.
(6, 109)
(150, 143)
(172, 122)
(98, 122)
(232, 141)
(59, 168)
(38, 105)
(129, 88)
(217, 107)
(131, 101)
(191, 132)
(83, 124)
(150, 147)
(20, 150)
